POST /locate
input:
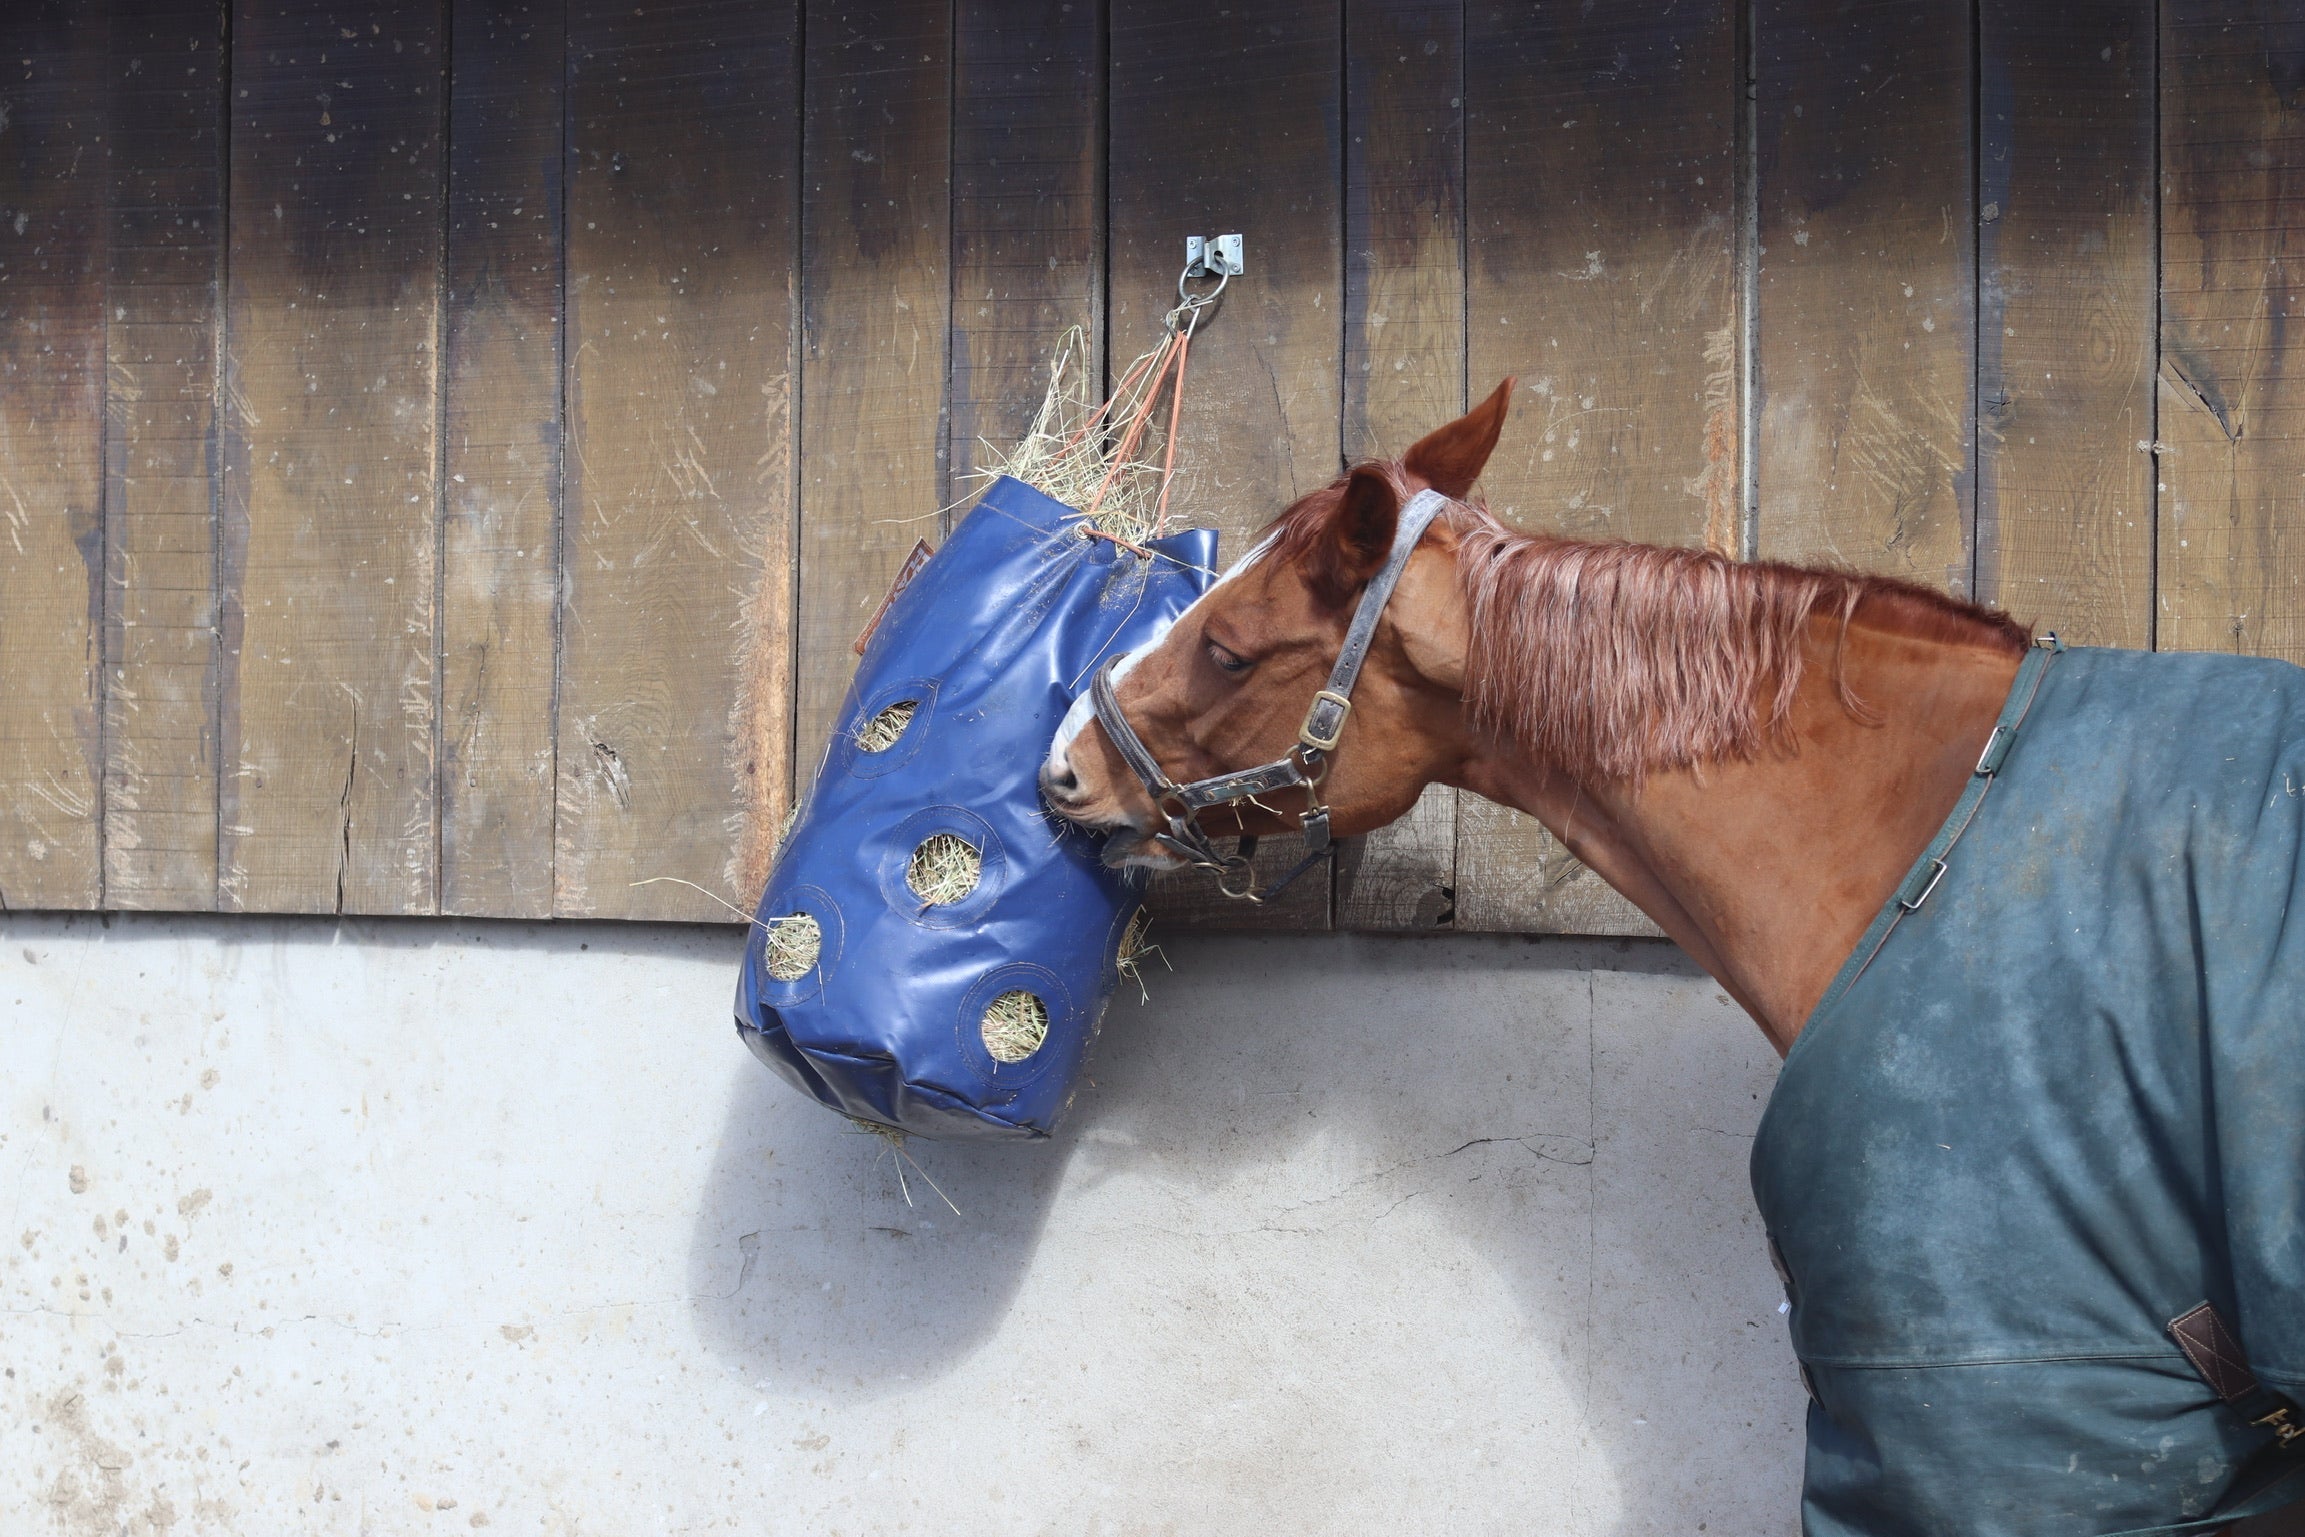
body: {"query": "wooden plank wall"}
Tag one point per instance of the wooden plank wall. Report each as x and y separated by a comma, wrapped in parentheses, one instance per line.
(418, 431)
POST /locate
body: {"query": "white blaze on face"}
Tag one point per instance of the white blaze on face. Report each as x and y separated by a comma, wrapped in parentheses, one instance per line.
(1083, 709)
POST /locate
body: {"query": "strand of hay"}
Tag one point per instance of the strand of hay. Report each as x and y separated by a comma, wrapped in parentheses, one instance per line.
(1135, 952)
(1014, 1025)
(895, 1140)
(881, 732)
(794, 941)
(1078, 447)
(943, 869)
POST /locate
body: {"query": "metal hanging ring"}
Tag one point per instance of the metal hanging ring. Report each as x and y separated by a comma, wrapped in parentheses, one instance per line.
(1186, 316)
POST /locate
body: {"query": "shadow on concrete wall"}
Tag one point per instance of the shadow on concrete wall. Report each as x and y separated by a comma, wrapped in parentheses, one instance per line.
(1251, 1047)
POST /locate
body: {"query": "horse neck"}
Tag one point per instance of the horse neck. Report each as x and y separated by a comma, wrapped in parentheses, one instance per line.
(1767, 871)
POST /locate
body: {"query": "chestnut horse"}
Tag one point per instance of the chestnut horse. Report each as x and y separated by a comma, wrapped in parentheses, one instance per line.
(1757, 756)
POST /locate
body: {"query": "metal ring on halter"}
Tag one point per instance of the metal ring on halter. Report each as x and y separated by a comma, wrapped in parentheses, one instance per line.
(1234, 870)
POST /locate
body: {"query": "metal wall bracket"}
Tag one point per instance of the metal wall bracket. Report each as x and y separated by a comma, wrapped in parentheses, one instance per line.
(1213, 256)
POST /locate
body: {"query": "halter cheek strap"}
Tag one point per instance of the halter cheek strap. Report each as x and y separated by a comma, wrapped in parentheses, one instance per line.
(1306, 763)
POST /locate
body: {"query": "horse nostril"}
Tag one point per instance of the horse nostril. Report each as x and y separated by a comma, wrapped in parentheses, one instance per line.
(1059, 782)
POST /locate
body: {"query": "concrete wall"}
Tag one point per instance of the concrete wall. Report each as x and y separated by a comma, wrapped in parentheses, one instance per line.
(383, 1227)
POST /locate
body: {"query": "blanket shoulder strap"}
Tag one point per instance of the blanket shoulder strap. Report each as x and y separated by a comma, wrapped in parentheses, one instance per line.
(2224, 1365)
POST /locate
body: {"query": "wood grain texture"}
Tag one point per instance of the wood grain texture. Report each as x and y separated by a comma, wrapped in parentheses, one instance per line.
(500, 419)
(163, 297)
(1229, 121)
(1867, 297)
(2232, 380)
(876, 285)
(681, 231)
(1516, 878)
(330, 435)
(1027, 213)
(2065, 317)
(1404, 341)
(52, 77)
(1600, 193)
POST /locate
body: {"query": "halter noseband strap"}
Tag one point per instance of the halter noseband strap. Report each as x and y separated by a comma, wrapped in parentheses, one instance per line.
(1306, 764)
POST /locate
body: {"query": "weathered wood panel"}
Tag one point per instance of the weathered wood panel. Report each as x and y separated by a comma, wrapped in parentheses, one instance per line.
(1867, 293)
(876, 275)
(1225, 121)
(1027, 213)
(164, 156)
(2065, 317)
(52, 76)
(680, 254)
(1600, 188)
(2232, 382)
(500, 418)
(330, 439)
(1404, 352)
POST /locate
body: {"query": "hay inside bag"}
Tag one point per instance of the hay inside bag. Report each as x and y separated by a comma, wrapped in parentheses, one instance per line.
(934, 951)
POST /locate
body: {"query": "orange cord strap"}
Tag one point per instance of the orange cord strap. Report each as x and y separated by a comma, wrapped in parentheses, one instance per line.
(1176, 413)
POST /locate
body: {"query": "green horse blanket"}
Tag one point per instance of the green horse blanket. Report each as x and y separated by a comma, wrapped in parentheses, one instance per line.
(2051, 1108)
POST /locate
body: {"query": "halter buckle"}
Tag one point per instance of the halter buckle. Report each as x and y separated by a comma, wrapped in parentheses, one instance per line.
(1324, 723)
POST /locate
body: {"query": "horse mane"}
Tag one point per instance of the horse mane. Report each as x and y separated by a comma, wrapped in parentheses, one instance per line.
(1615, 660)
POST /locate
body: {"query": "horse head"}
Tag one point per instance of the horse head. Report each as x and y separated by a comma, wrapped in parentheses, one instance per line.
(1231, 681)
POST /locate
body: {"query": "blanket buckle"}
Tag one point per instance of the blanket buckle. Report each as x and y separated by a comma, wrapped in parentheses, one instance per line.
(1935, 871)
(2285, 1430)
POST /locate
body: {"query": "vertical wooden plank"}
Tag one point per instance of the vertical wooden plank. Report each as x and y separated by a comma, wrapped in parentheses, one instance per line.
(876, 299)
(1867, 285)
(1600, 172)
(2232, 380)
(330, 435)
(2065, 317)
(1404, 351)
(164, 240)
(51, 453)
(1600, 185)
(500, 416)
(1222, 121)
(678, 491)
(1027, 215)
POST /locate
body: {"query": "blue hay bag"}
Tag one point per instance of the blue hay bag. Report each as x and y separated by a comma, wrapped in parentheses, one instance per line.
(990, 644)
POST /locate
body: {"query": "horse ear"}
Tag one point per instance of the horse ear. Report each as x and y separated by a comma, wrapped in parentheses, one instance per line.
(1360, 534)
(1450, 460)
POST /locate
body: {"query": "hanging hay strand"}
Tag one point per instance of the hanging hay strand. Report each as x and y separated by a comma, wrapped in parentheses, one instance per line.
(1014, 1025)
(792, 947)
(943, 869)
(881, 732)
(1135, 952)
(899, 1157)
(1101, 458)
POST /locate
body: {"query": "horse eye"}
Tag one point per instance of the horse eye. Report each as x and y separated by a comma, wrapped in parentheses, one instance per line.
(1227, 660)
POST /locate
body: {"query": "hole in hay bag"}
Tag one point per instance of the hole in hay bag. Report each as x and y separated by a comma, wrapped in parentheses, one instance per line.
(881, 731)
(791, 945)
(978, 940)
(1014, 1026)
(944, 869)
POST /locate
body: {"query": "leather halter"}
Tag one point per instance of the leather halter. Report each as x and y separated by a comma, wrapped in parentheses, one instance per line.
(1306, 763)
